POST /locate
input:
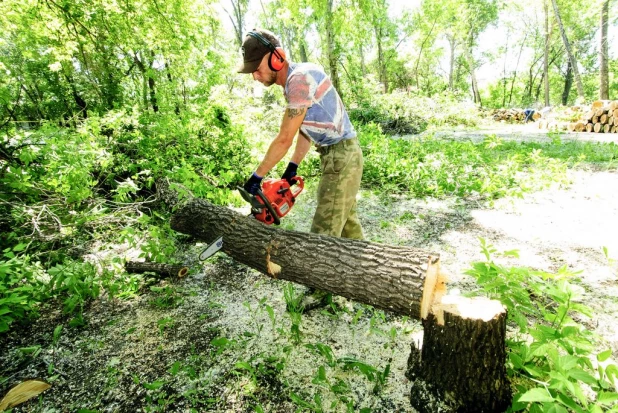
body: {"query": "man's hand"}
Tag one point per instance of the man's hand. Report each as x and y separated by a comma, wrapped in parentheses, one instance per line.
(290, 173)
(253, 184)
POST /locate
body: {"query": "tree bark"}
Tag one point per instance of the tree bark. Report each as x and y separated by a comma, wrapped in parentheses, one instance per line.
(333, 58)
(546, 55)
(469, 343)
(568, 83)
(392, 278)
(452, 45)
(475, 89)
(567, 46)
(603, 53)
(166, 270)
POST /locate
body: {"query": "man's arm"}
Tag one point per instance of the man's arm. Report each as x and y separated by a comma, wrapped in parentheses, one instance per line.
(303, 144)
(292, 119)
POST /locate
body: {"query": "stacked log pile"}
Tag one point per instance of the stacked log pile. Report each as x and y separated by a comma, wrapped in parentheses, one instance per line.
(510, 115)
(601, 118)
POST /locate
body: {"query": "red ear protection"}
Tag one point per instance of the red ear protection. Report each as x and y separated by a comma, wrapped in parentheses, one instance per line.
(276, 60)
(277, 55)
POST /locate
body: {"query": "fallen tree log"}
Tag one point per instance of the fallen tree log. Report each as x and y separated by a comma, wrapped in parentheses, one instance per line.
(166, 270)
(399, 279)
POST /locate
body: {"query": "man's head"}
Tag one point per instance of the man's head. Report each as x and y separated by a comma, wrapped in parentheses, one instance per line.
(261, 45)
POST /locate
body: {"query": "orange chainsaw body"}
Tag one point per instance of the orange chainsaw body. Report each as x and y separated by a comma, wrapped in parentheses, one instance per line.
(280, 196)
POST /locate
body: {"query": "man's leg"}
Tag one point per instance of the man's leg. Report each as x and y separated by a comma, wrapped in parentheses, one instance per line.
(342, 168)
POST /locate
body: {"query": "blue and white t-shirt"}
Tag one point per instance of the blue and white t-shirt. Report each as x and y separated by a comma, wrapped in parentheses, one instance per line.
(326, 121)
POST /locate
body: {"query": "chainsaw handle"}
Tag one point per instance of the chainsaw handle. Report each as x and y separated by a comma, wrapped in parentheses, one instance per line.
(256, 204)
(297, 186)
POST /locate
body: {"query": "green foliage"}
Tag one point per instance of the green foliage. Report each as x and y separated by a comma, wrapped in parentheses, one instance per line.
(24, 286)
(433, 167)
(20, 289)
(553, 359)
(74, 283)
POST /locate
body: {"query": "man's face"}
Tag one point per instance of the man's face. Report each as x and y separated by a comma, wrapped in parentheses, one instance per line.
(263, 74)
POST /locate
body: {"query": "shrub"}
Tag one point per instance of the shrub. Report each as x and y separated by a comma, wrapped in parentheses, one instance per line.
(553, 360)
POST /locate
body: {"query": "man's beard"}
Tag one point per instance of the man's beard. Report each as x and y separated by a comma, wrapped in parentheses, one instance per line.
(270, 81)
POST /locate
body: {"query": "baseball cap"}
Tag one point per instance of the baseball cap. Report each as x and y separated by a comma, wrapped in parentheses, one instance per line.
(253, 50)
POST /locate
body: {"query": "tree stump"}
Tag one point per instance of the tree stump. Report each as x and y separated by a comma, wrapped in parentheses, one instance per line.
(461, 364)
(467, 341)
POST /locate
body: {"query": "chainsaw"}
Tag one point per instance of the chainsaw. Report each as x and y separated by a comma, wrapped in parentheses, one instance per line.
(271, 203)
(274, 200)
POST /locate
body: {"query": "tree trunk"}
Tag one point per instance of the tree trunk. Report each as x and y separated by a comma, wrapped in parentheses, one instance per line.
(387, 277)
(453, 44)
(463, 346)
(546, 55)
(603, 53)
(568, 83)
(463, 355)
(567, 46)
(521, 50)
(471, 65)
(333, 59)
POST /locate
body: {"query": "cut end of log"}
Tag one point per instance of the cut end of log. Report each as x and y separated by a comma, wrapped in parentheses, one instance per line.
(434, 287)
(183, 272)
(477, 308)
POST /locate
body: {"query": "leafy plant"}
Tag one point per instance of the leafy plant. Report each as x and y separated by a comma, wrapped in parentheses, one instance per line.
(166, 296)
(553, 358)
(75, 282)
(295, 309)
(21, 290)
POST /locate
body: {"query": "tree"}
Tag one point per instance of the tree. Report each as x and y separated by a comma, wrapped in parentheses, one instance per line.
(571, 56)
(546, 55)
(237, 17)
(603, 53)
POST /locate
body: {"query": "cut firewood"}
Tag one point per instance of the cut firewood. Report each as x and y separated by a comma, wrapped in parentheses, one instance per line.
(613, 105)
(589, 127)
(606, 128)
(165, 270)
(597, 104)
(579, 127)
(597, 127)
(22, 393)
(603, 119)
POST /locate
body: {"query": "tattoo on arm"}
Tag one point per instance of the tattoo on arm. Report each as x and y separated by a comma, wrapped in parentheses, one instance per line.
(292, 113)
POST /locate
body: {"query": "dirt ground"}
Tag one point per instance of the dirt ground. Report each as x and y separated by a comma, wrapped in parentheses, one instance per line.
(135, 355)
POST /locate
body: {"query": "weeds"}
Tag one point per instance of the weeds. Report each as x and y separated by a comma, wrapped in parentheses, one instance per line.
(554, 360)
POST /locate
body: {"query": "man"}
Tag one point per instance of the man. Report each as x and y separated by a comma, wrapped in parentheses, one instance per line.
(316, 114)
(529, 113)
